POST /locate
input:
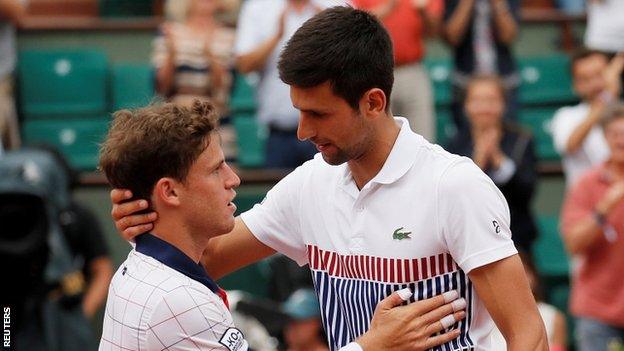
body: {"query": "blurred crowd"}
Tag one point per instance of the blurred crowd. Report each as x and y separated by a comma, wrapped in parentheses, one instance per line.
(198, 55)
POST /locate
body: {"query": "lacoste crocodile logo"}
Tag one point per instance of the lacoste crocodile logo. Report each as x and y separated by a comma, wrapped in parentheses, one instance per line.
(399, 235)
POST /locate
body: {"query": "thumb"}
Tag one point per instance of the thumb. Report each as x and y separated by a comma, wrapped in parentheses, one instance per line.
(395, 299)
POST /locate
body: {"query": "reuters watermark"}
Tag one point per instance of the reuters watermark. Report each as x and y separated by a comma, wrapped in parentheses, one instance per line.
(6, 328)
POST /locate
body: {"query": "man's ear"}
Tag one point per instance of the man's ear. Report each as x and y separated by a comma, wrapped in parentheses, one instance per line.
(373, 103)
(167, 192)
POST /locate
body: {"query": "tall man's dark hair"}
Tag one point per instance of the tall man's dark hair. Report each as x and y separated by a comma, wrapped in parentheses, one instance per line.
(349, 48)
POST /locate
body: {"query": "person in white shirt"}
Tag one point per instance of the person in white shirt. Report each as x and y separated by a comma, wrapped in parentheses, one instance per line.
(577, 134)
(379, 208)
(264, 27)
(161, 297)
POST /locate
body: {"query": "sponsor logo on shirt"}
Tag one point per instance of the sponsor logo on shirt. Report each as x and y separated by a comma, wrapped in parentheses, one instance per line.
(497, 228)
(399, 235)
(232, 339)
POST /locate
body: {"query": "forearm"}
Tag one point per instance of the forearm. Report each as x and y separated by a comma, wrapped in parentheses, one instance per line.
(582, 235)
(506, 27)
(165, 76)
(256, 59)
(235, 250)
(577, 138)
(455, 28)
(12, 10)
(531, 340)
(432, 23)
(97, 289)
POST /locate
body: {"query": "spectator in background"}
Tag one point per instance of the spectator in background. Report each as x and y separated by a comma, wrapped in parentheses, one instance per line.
(592, 225)
(481, 33)
(576, 129)
(87, 244)
(264, 27)
(605, 28)
(194, 59)
(503, 151)
(409, 22)
(11, 11)
(554, 320)
(304, 332)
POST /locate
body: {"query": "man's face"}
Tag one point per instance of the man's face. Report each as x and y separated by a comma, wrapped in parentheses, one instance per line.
(588, 77)
(614, 134)
(207, 192)
(338, 131)
(484, 104)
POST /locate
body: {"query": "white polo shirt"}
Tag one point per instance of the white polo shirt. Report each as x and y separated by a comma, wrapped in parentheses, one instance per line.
(159, 299)
(424, 221)
(592, 152)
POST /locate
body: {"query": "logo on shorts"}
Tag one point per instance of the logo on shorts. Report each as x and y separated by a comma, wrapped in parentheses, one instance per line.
(232, 339)
(399, 235)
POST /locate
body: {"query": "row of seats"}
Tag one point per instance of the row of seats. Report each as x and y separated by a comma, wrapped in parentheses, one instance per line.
(66, 98)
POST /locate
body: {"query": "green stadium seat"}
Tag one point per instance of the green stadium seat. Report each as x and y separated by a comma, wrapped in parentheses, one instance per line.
(445, 127)
(440, 73)
(62, 83)
(132, 85)
(538, 120)
(251, 137)
(77, 139)
(549, 253)
(242, 98)
(546, 80)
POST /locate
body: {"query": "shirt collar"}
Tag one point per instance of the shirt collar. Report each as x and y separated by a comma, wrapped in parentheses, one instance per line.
(172, 257)
(400, 159)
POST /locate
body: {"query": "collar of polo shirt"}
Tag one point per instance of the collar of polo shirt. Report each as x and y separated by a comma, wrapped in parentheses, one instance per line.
(400, 159)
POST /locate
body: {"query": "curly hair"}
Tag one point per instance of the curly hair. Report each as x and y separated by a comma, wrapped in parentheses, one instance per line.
(160, 140)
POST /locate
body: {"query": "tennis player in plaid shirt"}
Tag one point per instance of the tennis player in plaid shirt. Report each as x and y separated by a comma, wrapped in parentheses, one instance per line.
(161, 298)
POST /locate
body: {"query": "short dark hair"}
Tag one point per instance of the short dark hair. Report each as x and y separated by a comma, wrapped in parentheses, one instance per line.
(582, 54)
(488, 78)
(347, 47)
(160, 140)
(613, 113)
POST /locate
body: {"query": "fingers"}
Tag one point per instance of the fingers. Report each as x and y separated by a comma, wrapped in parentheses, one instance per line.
(395, 299)
(124, 209)
(445, 322)
(442, 338)
(120, 195)
(132, 232)
(445, 310)
(422, 307)
(129, 221)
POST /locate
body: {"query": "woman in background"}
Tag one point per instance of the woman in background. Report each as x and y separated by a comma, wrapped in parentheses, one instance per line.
(502, 150)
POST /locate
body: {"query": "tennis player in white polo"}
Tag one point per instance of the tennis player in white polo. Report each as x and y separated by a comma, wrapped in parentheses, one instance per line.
(380, 208)
(161, 298)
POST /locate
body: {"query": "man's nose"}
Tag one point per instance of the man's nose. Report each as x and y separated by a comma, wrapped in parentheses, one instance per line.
(305, 129)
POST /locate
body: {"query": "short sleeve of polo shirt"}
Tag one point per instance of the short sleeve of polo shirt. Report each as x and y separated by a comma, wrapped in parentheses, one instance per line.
(186, 319)
(578, 204)
(474, 217)
(275, 221)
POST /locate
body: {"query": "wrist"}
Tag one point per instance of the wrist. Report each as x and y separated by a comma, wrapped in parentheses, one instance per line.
(600, 216)
(366, 342)
(353, 346)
